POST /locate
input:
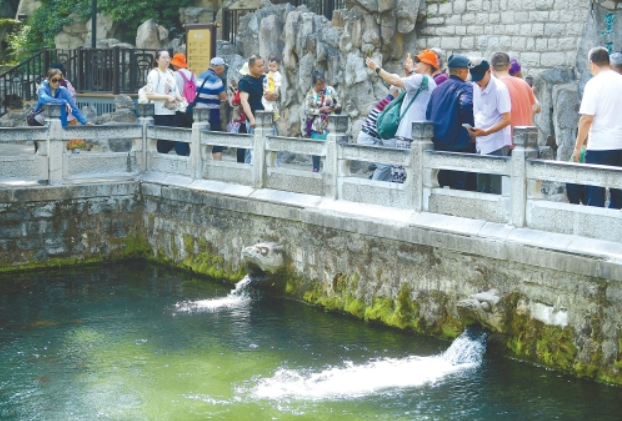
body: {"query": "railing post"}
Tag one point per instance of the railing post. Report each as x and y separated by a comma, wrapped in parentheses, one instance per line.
(145, 117)
(422, 141)
(116, 52)
(54, 144)
(337, 129)
(525, 140)
(262, 129)
(200, 117)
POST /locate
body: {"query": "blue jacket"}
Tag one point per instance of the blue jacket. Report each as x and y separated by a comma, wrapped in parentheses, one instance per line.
(450, 106)
(61, 97)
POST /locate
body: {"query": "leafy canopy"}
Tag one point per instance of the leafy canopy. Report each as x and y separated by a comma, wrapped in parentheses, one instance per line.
(48, 20)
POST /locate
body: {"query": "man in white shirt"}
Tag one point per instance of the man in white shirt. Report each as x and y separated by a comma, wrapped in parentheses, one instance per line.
(601, 124)
(491, 112)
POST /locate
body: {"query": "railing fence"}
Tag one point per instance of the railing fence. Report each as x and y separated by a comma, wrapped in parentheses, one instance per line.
(519, 205)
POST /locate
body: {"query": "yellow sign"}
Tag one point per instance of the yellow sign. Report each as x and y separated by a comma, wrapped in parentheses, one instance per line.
(198, 49)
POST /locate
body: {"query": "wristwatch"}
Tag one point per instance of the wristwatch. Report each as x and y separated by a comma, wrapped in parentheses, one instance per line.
(378, 69)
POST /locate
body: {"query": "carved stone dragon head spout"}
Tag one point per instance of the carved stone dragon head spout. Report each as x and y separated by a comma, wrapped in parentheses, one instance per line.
(267, 257)
(486, 308)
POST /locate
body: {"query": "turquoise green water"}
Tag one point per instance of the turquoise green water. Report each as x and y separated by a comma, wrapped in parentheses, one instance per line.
(140, 342)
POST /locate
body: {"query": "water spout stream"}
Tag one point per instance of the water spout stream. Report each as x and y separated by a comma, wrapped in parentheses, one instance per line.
(466, 352)
(238, 297)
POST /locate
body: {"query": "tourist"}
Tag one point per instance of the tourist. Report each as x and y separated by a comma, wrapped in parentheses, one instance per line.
(251, 94)
(71, 119)
(186, 85)
(601, 124)
(420, 70)
(320, 102)
(492, 115)
(440, 75)
(52, 92)
(164, 93)
(451, 106)
(272, 84)
(210, 92)
(524, 102)
(515, 68)
(616, 61)
(238, 119)
(369, 135)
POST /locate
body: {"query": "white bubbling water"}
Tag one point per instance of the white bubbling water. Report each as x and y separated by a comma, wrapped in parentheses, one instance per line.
(374, 376)
(238, 297)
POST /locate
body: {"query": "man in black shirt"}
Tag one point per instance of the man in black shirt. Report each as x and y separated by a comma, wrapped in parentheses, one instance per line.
(251, 91)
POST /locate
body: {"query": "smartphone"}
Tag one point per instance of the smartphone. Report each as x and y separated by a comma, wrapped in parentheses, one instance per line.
(467, 126)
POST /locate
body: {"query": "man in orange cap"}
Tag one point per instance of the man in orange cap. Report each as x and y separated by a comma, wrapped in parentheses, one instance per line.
(419, 85)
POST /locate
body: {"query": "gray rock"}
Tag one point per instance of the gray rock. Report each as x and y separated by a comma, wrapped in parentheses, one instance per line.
(148, 35)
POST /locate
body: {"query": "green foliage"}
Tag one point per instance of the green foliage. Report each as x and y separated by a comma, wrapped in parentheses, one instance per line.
(48, 20)
(8, 29)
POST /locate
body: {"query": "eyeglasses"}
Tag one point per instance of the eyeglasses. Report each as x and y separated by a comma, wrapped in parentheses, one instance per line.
(56, 80)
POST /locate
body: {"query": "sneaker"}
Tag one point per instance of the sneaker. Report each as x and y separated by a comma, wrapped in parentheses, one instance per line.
(316, 170)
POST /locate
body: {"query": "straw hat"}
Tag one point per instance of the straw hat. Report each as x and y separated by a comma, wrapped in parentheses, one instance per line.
(179, 60)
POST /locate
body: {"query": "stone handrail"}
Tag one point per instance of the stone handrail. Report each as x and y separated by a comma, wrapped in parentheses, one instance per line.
(521, 203)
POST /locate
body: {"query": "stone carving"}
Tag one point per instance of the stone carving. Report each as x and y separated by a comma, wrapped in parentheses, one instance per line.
(268, 257)
(486, 308)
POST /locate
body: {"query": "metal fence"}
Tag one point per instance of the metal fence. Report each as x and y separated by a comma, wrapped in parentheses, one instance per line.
(114, 71)
(231, 17)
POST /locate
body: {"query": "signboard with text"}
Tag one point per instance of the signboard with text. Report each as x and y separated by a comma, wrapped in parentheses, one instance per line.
(200, 46)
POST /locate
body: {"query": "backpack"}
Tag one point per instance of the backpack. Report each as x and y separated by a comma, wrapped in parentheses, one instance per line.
(190, 88)
(389, 119)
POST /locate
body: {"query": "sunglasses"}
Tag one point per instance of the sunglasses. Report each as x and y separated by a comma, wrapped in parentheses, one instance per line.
(56, 80)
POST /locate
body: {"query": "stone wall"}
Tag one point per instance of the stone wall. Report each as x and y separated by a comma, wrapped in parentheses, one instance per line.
(53, 226)
(541, 34)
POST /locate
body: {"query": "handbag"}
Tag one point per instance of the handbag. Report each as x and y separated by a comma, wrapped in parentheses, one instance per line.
(31, 118)
(389, 119)
(185, 117)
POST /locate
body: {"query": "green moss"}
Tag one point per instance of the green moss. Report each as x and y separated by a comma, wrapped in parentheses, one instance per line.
(552, 346)
(205, 262)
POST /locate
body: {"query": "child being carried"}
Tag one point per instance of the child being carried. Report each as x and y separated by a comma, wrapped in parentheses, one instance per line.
(272, 84)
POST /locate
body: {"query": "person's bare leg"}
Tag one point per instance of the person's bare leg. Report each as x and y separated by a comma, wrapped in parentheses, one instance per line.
(217, 156)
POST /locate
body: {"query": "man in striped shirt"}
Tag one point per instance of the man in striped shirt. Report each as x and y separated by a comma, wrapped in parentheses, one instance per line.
(210, 92)
(369, 136)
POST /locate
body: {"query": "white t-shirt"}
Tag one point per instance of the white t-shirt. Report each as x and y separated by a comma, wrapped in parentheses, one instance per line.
(160, 82)
(602, 98)
(488, 106)
(416, 112)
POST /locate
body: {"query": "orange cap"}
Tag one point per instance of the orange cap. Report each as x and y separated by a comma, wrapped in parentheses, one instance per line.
(179, 60)
(428, 57)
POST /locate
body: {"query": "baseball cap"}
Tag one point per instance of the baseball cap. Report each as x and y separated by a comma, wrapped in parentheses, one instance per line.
(217, 61)
(479, 71)
(179, 60)
(514, 66)
(428, 57)
(457, 61)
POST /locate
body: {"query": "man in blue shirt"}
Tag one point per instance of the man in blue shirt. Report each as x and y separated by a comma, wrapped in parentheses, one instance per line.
(451, 106)
(210, 94)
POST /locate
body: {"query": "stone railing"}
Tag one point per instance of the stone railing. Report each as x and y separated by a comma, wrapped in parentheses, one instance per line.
(520, 204)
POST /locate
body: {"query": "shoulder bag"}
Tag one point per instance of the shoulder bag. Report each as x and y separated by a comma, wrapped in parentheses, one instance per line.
(185, 118)
(389, 119)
